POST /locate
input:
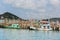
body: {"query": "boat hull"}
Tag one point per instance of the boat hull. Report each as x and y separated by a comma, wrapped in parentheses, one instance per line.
(46, 29)
(32, 28)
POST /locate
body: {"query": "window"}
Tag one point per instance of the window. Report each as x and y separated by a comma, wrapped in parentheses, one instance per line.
(48, 27)
(1, 21)
(44, 27)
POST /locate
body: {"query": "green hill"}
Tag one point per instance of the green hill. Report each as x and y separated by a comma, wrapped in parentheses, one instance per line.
(9, 15)
(54, 19)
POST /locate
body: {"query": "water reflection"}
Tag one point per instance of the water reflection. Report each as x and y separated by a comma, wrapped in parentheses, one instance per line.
(14, 34)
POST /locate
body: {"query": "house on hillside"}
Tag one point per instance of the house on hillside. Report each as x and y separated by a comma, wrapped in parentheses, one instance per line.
(2, 21)
(55, 25)
(8, 18)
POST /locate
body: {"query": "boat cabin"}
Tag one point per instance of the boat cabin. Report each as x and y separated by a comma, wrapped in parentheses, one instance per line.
(15, 26)
(45, 25)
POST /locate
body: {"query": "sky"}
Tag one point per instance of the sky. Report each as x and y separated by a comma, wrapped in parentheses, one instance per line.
(35, 9)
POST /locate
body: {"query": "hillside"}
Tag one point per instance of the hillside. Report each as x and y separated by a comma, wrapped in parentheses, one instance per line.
(54, 19)
(9, 15)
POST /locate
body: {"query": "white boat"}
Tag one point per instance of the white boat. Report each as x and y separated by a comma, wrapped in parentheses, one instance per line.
(45, 25)
(32, 28)
(31, 25)
(42, 29)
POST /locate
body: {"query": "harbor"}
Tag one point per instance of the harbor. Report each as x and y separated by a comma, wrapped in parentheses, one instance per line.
(29, 19)
(8, 20)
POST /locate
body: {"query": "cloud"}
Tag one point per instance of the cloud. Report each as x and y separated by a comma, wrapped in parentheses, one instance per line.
(44, 8)
(55, 3)
(31, 3)
(8, 1)
(26, 3)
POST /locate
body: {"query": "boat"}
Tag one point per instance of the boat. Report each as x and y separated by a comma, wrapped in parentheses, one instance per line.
(13, 26)
(32, 28)
(46, 29)
(31, 25)
(45, 25)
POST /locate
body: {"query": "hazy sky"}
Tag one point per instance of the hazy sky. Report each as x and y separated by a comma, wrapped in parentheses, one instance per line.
(27, 9)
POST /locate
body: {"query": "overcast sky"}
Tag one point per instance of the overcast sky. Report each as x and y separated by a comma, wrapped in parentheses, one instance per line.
(26, 9)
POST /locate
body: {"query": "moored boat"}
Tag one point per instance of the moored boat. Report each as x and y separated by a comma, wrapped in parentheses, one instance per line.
(32, 28)
(13, 26)
(45, 25)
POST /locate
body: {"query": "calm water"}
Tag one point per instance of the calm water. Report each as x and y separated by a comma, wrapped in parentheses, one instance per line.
(14, 34)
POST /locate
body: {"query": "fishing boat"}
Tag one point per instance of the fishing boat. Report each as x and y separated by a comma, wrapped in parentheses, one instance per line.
(45, 25)
(31, 25)
(32, 28)
(13, 26)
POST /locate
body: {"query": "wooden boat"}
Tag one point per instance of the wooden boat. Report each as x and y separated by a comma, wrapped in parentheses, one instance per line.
(13, 26)
(32, 28)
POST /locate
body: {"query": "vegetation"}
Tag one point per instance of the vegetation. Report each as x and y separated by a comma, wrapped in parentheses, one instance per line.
(9, 15)
(55, 19)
